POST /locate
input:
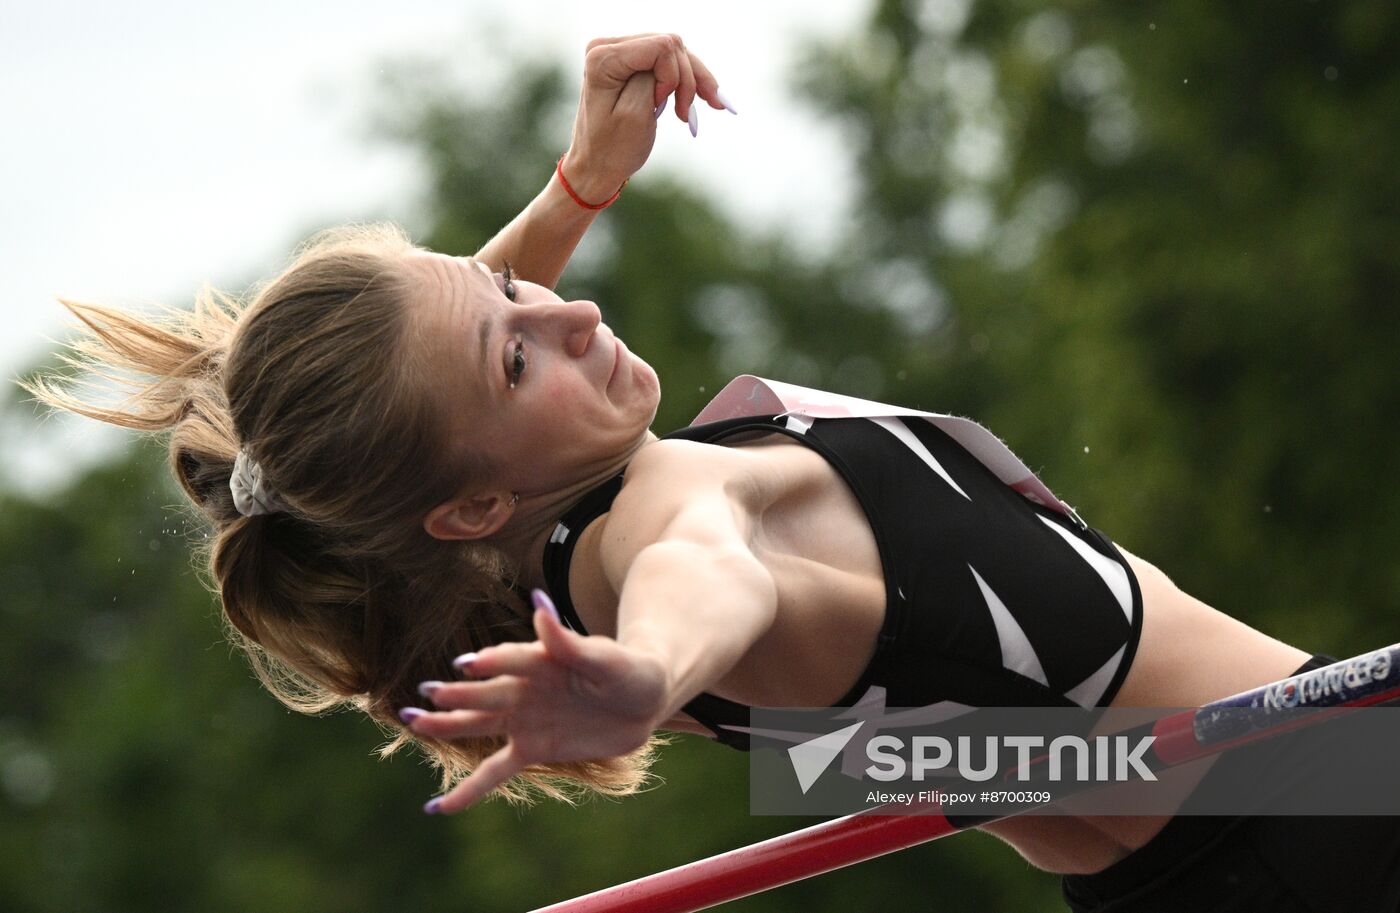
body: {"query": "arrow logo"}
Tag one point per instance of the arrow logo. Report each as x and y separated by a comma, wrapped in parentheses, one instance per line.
(812, 757)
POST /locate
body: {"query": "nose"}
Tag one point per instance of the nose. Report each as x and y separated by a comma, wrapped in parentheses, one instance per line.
(574, 322)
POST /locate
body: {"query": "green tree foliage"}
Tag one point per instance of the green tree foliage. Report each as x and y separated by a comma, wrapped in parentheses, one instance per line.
(1151, 245)
(1163, 237)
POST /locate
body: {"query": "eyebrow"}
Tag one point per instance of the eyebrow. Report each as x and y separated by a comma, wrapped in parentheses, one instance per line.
(488, 325)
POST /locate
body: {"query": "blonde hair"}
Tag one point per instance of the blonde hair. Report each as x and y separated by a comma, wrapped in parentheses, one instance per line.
(344, 599)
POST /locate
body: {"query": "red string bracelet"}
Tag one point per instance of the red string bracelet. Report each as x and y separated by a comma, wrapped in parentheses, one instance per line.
(559, 169)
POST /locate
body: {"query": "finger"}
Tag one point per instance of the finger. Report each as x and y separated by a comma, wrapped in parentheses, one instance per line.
(685, 92)
(454, 724)
(706, 86)
(668, 76)
(666, 73)
(619, 39)
(600, 42)
(609, 66)
(637, 93)
(489, 774)
(558, 641)
(501, 659)
(500, 693)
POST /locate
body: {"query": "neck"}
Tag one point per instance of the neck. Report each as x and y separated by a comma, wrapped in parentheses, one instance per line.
(524, 537)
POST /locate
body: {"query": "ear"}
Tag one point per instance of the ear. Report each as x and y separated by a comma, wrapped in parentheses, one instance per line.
(469, 516)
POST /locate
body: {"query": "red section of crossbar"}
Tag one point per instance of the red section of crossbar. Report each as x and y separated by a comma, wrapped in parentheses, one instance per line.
(1176, 738)
(856, 838)
(750, 869)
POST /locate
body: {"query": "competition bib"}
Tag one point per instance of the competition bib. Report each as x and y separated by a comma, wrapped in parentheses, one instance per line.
(750, 395)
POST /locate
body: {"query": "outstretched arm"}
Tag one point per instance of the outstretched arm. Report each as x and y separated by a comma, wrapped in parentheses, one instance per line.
(697, 599)
(625, 83)
(694, 600)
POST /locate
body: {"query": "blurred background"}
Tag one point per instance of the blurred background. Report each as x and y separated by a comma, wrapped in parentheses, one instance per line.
(1153, 246)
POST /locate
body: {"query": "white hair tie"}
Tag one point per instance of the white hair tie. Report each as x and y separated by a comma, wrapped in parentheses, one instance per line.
(251, 495)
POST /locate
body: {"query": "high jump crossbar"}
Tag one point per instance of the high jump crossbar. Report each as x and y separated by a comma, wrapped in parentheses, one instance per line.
(1181, 737)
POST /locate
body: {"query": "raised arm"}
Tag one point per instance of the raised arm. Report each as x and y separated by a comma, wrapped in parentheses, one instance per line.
(625, 83)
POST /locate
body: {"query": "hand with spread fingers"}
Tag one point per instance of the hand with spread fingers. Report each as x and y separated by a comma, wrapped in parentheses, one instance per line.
(563, 697)
(626, 84)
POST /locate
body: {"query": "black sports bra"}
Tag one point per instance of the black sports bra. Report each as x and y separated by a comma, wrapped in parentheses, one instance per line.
(991, 599)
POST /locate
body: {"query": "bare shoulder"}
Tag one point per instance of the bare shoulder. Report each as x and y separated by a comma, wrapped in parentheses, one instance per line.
(679, 488)
(668, 475)
(674, 461)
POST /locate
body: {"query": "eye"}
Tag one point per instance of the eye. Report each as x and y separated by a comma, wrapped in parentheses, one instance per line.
(507, 282)
(517, 363)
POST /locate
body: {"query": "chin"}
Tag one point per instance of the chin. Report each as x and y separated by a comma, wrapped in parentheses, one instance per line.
(642, 371)
(654, 390)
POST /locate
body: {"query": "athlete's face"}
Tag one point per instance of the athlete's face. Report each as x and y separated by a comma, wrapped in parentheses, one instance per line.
(537, 384)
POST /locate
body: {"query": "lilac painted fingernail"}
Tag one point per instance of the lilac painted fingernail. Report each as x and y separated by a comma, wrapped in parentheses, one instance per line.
(428, 689)
(433, 806)
(409, 714)
(464, 662)
(724, 101)
(694, 120)
(659, 108)
(542, 601)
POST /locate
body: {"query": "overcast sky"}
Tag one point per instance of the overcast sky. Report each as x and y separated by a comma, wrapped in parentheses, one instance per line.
(153, 146)
(150, 146)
